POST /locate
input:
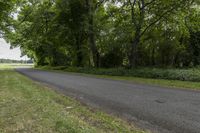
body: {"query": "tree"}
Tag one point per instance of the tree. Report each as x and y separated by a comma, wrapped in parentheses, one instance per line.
(92, 8)
(6, 8)
(105, 33)
(145, 15)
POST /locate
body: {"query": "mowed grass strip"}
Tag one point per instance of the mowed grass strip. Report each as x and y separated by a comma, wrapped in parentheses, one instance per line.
(28, 107)
(187, 74)
(188, 85)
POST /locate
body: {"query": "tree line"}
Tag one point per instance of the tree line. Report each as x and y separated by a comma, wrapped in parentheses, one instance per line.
(16, 61)
(104, 33)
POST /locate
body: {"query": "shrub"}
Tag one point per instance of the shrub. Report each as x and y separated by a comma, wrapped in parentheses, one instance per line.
(157, 73)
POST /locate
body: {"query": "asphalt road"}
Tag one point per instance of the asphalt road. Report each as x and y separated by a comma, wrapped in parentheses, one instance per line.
(157, 108)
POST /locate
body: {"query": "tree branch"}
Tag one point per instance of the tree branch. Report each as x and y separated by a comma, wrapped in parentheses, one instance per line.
(158, 19)
(28, 14)
(149, 3)
(99, 3)
(132, 11)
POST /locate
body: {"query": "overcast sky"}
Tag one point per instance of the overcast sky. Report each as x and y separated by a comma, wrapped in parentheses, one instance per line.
(7, 53)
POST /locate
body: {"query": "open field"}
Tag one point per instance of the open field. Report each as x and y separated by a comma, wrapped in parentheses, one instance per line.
(14, 65)
(28, 107)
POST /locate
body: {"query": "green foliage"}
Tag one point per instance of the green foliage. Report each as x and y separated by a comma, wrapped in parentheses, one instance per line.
(190, 74)
(151, 81)
(6, 8)
(101, 33)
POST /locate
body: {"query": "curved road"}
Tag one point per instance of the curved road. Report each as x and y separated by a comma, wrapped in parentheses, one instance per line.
(156, 108)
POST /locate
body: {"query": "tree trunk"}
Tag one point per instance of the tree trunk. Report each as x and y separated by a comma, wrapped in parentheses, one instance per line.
(92, 42)
(79, 54)
(91, 34)
(138, 30)
(153, 57)
(134, 47)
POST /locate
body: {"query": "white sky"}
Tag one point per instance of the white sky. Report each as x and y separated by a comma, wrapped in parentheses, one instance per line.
(7, 53)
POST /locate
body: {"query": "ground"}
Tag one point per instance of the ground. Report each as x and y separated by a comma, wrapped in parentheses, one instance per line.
(190, 85)
(160, 109)
(27, 106)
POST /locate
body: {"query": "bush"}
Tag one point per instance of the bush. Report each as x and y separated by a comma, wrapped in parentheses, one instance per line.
(157, 73)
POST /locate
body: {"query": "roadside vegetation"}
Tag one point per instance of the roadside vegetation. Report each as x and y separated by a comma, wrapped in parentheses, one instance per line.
(87, 36)
(156, 73)
(132, 38)
(105, 33)
(28, 107)
(177, 78)
(14, 65)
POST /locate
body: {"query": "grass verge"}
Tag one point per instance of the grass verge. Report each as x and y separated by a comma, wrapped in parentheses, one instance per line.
(159, 82)
(28, 107)
(151, 81)
(189, 74)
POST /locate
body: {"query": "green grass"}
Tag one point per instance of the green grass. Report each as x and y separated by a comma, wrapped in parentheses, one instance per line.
(159, 82)
(28, 107)
(13, 65)
(111, 74)
(190, 74)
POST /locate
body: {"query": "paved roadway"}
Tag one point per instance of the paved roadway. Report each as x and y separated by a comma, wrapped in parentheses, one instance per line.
(156, 108)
